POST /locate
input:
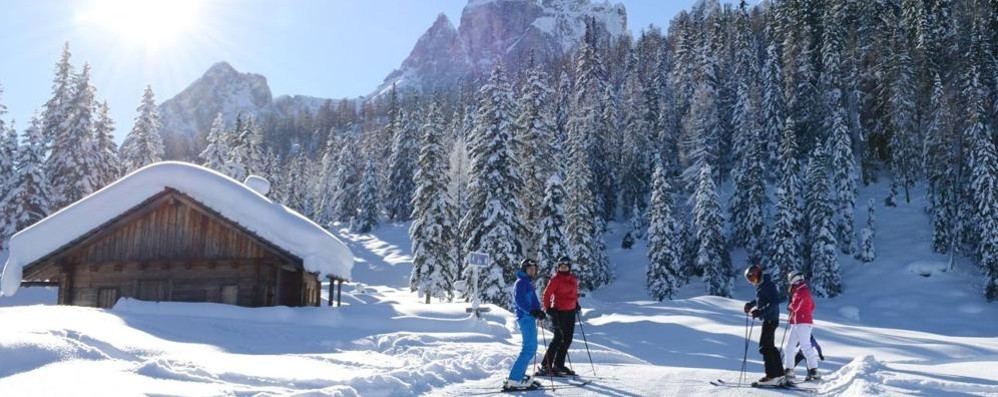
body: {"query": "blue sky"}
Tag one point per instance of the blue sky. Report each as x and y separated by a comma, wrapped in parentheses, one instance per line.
(324, 48)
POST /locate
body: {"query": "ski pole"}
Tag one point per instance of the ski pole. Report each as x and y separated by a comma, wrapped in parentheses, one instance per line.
(545, 340)
(784, 339)
(748, 335)
(583, 329)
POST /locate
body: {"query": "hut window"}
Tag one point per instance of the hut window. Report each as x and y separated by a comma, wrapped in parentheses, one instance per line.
(230, 294)
(107, 297)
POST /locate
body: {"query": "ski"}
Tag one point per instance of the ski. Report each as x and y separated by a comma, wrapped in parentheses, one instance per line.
(786, 386)
(722, 383)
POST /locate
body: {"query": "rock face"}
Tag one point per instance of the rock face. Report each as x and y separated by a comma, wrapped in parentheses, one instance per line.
(442, 58)
(500, 29)
(187, 117)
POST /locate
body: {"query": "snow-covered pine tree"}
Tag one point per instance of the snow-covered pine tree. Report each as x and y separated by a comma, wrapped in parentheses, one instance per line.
(255, 153)
(552, 244)
(239, 157)
(939, 169)
(492, 224)
(401, 167)
(58, 107)
(712, 255)
(216, 153)
(8, 152)
(109, 162)
(459, 174)
(580, 209)
(635, 157)
(326, 187)
(903, 116)
(144, 145)
(823, 272)
(747, 203)
(867, 251)
(843, 189)
(534, 151)
(773, 103)
(297, 183)
(983, 164)
(8, 176)
(72, 161)
(787, 224)
(664, 274)
(347, 181)
(433, 231)
(28, 198)
(702, 124)
(368, 216)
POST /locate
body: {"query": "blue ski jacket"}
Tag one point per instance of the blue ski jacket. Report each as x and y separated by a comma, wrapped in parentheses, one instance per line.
(767, 300)
(524, 295)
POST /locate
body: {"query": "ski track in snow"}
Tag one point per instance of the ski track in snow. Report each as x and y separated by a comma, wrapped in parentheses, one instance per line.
(906, 325)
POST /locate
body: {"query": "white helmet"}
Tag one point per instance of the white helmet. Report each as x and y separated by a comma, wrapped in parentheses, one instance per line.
(795, 277)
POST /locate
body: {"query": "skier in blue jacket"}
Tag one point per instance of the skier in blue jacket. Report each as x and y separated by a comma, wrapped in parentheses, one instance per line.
(766, 307)
(528, 314)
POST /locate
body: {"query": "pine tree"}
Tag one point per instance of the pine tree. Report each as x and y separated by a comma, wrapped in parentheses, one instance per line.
(216, 153)
(238, 141)
(401, 167)
(433, 231)
(8, 176)
(367, 217)
(712, 256)
(72, 161)
(534, 145)
(983, 164)
(58, 108)
(28, 199)
(824, 270)
(635, 171)
(903, 118)
(939, 170)
(702, 126)
(843, 190)
(867, 253)
(144, 146)
(255, 153)
(552, 243)
(297, 183)
(492, 224)
(347, 181)
(107, 151)
(664, 274)
(326, 187)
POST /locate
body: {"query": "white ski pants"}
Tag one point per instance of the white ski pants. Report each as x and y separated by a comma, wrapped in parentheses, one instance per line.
(799, 334)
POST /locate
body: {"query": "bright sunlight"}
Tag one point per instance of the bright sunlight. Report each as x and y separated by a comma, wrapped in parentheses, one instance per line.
(150, 23)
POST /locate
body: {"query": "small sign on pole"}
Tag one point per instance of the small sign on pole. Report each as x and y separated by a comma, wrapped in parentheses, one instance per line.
(477, 261)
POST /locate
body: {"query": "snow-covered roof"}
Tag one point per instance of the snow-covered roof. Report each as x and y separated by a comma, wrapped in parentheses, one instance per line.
(319, 251)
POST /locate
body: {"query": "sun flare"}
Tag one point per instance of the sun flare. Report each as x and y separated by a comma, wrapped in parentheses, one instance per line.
(151, 23)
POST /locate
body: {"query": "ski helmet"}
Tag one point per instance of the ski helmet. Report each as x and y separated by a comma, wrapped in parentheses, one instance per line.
(753, 274)
(794, 277)
(565, 261)
(524, 264)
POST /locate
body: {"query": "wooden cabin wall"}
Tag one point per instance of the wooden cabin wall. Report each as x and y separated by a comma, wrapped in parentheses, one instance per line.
(173, 251)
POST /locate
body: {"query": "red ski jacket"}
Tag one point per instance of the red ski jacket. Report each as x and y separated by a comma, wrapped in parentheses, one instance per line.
(562, 292)
(801, 305)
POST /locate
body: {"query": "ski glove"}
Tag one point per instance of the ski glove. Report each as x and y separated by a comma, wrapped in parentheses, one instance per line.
(538, 314)
(578, 308)
(756, 313)
(748, 307)
(551, 312)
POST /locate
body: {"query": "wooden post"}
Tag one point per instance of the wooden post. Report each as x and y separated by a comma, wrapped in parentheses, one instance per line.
(332, 283)
(339, 292)
(277, 289)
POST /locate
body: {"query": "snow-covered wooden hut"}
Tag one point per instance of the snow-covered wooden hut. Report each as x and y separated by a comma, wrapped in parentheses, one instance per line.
(175, 231)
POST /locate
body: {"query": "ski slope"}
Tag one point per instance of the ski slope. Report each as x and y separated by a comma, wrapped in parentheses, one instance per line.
(894, 331)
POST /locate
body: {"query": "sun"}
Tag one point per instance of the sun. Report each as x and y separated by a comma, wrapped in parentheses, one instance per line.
(150, 23)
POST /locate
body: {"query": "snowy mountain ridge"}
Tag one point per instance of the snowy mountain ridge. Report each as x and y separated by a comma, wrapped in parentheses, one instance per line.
(443, 56)
(500, 29)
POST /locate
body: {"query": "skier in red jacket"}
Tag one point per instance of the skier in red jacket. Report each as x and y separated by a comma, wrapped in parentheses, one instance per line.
(801, 308)
(561, 302)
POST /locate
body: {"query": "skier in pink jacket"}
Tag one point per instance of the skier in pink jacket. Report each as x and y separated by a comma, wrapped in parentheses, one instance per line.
(801, 309)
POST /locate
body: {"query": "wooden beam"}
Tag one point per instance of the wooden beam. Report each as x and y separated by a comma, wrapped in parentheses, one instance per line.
(339, 292)
(332, 283)
(26, 284)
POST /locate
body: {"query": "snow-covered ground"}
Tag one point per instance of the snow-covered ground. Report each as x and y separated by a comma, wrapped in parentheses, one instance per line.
(895, 331)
